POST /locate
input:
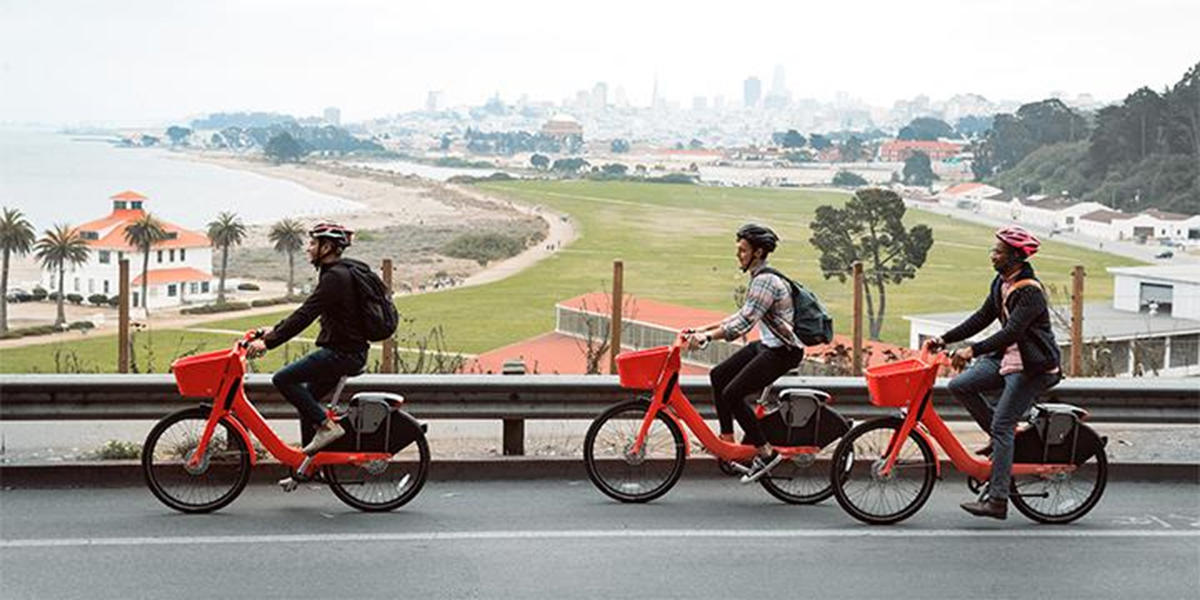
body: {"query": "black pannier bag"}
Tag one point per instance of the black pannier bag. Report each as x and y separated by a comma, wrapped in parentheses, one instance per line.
(803, 419)
(1057, 435)
(375, 423)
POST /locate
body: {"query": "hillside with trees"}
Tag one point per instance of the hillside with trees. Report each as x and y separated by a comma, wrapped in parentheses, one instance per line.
(1139, 154)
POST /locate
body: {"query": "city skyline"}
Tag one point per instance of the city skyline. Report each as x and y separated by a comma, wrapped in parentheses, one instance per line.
(144, 62)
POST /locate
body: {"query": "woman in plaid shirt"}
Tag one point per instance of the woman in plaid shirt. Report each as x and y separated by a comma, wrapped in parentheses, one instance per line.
(757, 364)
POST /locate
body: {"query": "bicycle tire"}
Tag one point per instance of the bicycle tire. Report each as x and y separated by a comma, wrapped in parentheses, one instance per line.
(338, 487)
(844, 464)
(155, 480)
(1088, 504)
(614, 490)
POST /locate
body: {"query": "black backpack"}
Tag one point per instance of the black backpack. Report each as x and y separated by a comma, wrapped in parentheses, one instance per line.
(810, 321)
(378, 312)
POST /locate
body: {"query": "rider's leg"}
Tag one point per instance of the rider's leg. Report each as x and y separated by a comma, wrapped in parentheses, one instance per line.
(292, 381)
(970, 385)
(760, 372)
(721, 375)
(1020, 390)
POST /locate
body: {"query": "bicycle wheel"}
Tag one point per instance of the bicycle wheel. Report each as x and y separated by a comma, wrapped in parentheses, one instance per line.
(221, 475)
(870, 496)
(1062, 497)
(623, 475)
(802, 479)
(381, 485)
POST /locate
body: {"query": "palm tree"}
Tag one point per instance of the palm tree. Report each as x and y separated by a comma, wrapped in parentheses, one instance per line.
(142, 234)
(288, 237)
(59, 247)
(16, 237)
(227, 230)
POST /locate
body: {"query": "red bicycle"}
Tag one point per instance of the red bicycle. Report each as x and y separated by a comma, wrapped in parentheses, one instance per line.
(885, 468)
(635, 451)
(198, 459)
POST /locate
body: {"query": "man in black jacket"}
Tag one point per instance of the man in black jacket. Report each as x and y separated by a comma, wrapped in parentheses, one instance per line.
(1020, 361)
(342, 346)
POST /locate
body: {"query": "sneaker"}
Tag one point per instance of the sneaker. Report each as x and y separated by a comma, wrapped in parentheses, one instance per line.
(987, 507)
(288, 484)
(761, 466)
(324, 436)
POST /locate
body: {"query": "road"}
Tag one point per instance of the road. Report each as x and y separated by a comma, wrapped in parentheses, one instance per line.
(563, 539)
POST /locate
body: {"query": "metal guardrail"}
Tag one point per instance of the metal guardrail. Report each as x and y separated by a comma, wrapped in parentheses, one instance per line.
(518, 397)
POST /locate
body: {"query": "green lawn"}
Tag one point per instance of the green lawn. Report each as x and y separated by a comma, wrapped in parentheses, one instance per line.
(677, 245)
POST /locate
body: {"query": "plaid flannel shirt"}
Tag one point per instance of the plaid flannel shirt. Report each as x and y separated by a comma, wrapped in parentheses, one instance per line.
(769, 302)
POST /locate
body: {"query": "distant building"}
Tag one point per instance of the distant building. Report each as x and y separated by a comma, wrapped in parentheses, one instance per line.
(333, 115)
(751, 92)
(600, 96)
(645, 324)
(562, 126)
(1149, 225)
(699, 103)
(1154, 320)
(1050, 212)
(900, 150)
(433, 101)
(180, 267)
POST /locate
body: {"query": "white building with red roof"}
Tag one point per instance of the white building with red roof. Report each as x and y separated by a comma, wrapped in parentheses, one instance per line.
(180, 266)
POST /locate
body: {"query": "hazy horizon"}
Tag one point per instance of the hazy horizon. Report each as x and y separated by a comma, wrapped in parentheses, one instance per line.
(143, 62)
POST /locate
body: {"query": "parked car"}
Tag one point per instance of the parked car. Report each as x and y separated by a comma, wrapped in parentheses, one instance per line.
(18, 295)
(1164, 254)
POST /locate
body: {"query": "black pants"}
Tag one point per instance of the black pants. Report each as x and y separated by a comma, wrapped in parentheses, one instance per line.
(747, 372)
(307, 381)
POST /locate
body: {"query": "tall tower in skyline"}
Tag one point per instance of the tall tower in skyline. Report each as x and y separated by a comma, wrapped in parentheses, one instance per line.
(778, 81)
(654, 94)
(751, 92)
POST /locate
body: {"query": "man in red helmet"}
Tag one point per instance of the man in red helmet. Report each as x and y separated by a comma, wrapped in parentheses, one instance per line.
(342, 345)
(1017, 363)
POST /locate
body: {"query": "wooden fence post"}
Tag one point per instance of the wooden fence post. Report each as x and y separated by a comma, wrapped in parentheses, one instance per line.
(1077, 275)
(857, 319)
(617, 297)
(123, 316)
(388, 359)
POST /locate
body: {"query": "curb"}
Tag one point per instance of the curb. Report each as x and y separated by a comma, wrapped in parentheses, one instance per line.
(128, 473)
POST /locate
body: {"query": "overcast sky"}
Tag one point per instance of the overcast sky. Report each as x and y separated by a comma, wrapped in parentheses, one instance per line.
(146, 61)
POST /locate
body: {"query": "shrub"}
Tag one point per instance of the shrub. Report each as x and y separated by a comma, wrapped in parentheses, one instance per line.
(114, 301)
(209, 309)
(848, 179)
(81, 326)
(248, 287)
(75, 298)
(97, 299)
(30, 331)
(672, 178)
(274, 301)
(53, 297)
(118, 450)
(39, 293)
(483, 247)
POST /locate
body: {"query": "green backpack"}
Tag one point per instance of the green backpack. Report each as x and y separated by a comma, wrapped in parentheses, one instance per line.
(810, 321)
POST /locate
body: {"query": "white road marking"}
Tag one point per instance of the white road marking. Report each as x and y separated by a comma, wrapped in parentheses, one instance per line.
(584, 534)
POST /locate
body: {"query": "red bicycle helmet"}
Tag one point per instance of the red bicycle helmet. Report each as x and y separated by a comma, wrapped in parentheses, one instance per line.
(332, 231)
(1019, 238)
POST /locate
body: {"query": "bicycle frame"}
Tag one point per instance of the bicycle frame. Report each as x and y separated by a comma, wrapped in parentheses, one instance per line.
(667, 397)
(922, 417)
(244, 418)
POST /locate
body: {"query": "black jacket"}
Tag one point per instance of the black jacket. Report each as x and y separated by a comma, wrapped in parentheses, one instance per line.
(1028, 326)
(336, 302)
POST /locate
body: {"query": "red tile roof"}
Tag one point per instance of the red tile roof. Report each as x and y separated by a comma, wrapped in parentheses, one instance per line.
(127, 195)
(182, 274)
(111, 229)
(555, 352)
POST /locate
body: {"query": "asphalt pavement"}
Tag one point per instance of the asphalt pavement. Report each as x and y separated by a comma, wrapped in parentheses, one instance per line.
(562, 539)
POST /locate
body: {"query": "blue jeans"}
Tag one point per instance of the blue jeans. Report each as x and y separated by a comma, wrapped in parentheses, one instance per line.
(1017, 392)
(313, 377)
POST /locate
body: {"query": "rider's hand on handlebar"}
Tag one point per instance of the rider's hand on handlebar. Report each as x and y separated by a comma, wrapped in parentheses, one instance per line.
(256, 348)
(961, 357)
(933, 344)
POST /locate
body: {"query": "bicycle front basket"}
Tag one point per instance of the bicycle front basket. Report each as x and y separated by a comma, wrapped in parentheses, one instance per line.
(640, 370)
(200, 376)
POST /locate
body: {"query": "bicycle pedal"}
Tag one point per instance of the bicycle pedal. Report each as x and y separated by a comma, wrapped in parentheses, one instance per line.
(289, 484)
(739, 467)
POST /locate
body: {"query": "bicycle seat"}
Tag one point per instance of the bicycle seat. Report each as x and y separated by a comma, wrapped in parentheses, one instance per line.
(1057, 408)
(388, 397)
(818, 395)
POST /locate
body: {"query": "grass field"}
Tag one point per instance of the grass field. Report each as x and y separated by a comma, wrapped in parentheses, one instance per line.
(677, 245)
